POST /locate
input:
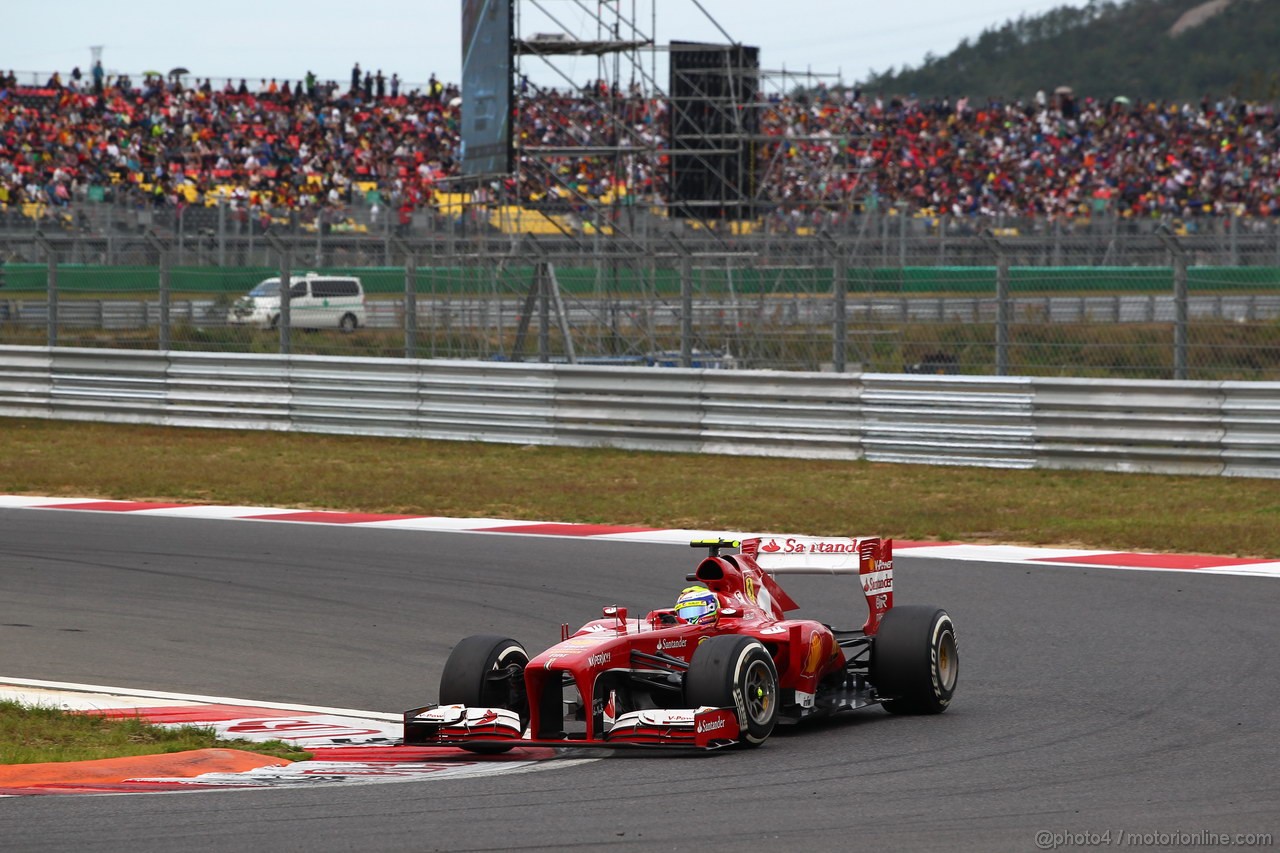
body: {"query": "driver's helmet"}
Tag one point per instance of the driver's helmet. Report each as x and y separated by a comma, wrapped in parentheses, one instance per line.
(697, 605)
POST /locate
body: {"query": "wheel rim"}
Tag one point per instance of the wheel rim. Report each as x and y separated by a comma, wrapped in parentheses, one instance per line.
(504, 685)
(948, 662)
(761, 692)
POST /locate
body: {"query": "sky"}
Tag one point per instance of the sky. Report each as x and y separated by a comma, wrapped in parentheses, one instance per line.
(286, 38)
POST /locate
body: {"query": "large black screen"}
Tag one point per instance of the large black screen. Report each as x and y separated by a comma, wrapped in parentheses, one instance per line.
(486, 87)
(713, 121)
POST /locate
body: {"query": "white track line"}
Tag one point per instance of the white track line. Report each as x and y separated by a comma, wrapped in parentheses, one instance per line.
(132, 693)
(1040, 557)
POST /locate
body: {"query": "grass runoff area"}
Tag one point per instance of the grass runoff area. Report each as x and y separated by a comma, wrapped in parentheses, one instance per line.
(1215, 515)
(32, 735)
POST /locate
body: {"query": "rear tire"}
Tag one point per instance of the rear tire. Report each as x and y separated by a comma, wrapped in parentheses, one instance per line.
(347, 324)
(735, 672)
(914, 663)
(486, 671)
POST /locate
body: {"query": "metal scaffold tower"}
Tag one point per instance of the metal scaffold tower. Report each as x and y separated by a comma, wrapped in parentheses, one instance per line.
(603, 150)
(652, 133)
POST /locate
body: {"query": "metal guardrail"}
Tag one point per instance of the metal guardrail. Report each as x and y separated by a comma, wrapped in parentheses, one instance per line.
(1223, 428)
(948, 420)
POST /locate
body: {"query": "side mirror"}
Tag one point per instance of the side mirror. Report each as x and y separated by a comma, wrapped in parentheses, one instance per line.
(613, 611)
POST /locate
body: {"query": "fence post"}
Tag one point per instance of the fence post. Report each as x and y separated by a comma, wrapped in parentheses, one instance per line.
(1003, 308)
(182, 240)
(552, 288)
(284, 321)
(544, 311)
(432, 250)
(1178, 256)
(882, 225)
(902, 237)
(686, 300)
(541, 291)
(162, 250)
(839, 305)
(410, 299)
(386, 243)
(1233, 224)
(51, 288)
(222, 233)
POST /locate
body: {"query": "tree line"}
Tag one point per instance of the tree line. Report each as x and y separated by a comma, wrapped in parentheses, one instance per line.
(1107, 49)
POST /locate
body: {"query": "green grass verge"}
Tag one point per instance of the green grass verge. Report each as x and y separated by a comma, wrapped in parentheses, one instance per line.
(34, 734)
(1218, 515)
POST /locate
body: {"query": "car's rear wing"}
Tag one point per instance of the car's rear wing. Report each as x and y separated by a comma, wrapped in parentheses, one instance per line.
(871, 558)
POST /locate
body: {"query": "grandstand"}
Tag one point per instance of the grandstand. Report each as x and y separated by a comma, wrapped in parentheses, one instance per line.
(325, 157)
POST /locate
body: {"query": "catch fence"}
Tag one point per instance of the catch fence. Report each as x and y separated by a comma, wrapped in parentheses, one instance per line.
(1123, 305)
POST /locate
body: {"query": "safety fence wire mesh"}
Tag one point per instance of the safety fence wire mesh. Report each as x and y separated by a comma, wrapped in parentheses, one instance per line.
(885, 293)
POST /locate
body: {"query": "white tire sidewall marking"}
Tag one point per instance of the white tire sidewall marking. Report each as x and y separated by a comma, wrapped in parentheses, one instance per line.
(941, 627)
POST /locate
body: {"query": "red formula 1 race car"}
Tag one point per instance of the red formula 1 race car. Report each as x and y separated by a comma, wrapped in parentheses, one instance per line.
(724, 667)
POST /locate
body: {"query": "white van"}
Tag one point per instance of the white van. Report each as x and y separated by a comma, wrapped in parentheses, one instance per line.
(315, 302)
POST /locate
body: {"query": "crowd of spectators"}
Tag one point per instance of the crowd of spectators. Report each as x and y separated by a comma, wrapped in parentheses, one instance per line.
(312, 148)
(1052, 156)
(277, 146)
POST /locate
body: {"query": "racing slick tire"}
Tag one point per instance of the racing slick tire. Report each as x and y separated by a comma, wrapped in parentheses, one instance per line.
(914, 662)
(486, 671)
(735, 672)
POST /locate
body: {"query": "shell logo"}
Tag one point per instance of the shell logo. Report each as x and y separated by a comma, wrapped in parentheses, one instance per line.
(814, 656)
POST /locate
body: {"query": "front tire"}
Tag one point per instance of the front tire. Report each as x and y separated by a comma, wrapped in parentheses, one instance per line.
(735, 672)
(486, 671)
(914, 663)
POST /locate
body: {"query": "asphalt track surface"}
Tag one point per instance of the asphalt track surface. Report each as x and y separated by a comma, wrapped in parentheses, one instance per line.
(1089, 699)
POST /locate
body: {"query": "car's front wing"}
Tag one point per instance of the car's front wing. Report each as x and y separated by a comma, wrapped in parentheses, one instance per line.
(458, 725)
